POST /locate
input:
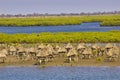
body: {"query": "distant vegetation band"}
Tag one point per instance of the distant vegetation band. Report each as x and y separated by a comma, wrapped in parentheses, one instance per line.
(106, 20)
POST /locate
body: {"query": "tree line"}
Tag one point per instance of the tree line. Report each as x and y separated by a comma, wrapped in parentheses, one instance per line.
(61, 14)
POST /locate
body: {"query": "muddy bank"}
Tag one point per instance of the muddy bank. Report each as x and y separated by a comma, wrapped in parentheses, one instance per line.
(60, 61)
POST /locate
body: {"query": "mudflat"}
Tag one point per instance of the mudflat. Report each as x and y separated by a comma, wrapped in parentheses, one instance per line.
(60, 61)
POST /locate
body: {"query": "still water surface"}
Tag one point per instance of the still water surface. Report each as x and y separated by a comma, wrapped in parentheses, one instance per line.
(84, 27)
(59, 73)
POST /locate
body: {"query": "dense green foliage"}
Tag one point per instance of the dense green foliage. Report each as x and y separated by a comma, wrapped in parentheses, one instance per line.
(107, 20)
(61, 37)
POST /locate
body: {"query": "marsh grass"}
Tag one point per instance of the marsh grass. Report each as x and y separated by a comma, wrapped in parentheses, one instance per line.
(61, 37)
(107, 20)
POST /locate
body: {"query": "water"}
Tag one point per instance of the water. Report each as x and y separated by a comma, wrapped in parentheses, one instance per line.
(60, 73)
(69, 28)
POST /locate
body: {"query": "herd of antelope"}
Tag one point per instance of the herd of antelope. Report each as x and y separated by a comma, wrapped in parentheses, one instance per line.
(44, 53)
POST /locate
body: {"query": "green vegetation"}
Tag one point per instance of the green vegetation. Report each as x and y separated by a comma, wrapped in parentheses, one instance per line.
(107, 20)
(99, 59)
(61, 37)
(110, 23)
(41, 21)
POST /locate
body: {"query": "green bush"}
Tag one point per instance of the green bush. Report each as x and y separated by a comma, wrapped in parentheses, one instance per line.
(99, 59)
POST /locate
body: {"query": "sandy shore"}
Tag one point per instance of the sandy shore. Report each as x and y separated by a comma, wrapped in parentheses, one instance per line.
(60, 61)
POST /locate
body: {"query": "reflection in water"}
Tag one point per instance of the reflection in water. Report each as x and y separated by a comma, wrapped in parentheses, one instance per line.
(85, 27)
(59, 73)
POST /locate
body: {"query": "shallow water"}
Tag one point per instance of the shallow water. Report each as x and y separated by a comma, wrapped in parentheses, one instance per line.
(59, 73)
(84, 27)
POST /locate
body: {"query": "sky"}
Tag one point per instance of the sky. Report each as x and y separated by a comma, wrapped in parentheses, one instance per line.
(57, 6)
